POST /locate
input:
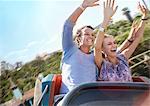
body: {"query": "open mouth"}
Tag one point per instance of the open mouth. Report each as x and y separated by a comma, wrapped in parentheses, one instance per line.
(113, 50)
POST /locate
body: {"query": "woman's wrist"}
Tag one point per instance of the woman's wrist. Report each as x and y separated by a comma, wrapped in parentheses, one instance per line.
(144, 17)
(130, 39)
(105, 23)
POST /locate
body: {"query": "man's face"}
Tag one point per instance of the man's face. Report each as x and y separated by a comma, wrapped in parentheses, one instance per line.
(87, 37)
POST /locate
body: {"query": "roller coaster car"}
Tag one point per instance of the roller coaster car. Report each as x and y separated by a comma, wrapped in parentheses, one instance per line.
(136, 93)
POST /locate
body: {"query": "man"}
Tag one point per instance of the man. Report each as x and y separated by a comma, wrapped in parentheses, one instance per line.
(77, 62)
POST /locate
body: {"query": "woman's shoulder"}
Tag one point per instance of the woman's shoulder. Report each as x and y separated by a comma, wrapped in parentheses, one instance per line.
(122, 59)
(121, 56)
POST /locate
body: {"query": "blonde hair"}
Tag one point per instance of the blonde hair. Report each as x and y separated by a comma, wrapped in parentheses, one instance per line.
(107, 35)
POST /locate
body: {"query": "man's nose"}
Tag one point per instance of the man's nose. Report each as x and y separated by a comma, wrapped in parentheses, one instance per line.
(114, 45)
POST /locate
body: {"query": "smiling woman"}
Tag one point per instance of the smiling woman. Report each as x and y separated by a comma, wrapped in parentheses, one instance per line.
(114, 66)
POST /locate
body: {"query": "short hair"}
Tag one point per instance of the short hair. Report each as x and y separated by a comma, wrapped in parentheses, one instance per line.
(79, 33)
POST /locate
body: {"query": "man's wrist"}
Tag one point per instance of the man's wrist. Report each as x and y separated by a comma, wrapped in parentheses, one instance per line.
(82, 7)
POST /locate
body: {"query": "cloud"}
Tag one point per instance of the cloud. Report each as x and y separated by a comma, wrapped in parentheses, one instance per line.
(21, 51)
(16, 53)
(31, 44)
(20, 58)
(30, 50)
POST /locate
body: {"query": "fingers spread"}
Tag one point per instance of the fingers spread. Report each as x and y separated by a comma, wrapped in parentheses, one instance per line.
(110, 3)
(113, 3)
(96, 4)
(104, 4)
(96, 0)
(140, 7)
(144, 9)
(107, 3)
(115, 9)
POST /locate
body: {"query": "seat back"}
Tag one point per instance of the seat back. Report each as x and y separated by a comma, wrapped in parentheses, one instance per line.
(55, 87)
(57, 83)
(48, 83)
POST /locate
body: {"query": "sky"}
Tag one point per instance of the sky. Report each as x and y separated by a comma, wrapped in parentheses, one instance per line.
(32, 27)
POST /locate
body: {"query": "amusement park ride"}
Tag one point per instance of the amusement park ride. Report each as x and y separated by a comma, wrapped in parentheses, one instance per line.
(100, 93)
(136, 93)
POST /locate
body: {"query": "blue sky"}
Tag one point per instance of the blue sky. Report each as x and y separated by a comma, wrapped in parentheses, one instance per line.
(32, 27)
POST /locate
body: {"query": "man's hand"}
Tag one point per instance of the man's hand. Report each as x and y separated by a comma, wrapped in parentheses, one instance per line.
(89, 3)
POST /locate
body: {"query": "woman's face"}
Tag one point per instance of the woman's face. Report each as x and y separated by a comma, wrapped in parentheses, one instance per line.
(109, 46)
(87, 37)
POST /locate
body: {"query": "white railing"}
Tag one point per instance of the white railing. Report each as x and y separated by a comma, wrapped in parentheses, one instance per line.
(141, 58)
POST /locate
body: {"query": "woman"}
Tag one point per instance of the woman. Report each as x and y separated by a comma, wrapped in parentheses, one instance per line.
(114, 66)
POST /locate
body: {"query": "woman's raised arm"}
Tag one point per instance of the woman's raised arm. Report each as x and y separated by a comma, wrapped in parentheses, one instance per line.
(109, 11)
(138, 33)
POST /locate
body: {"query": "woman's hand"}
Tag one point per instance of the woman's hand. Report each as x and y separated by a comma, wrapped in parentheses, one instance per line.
(133, 30)
(109, 9)
(89, 3)
(142, 10)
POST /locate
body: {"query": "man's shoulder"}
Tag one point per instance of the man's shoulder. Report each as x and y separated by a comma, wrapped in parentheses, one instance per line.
(69, 23)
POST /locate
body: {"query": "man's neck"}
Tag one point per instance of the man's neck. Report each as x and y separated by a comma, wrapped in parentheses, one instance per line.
(85, 49)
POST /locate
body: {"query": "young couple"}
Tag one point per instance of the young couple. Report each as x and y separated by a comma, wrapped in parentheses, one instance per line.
(81, 65)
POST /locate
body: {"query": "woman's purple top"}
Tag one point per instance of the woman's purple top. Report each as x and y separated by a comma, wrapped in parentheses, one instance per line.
(120, 72)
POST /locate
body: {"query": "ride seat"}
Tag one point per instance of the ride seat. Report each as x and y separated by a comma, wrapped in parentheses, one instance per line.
(55, 88)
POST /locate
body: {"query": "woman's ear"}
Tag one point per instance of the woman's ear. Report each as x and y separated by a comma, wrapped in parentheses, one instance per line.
(103, 48)
(103, 54)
